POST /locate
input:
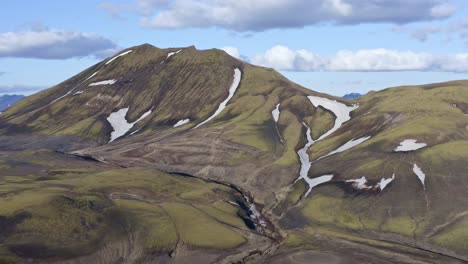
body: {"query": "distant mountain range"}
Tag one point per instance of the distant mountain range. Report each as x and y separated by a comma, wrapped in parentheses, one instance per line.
(8, 100)
(352, 96)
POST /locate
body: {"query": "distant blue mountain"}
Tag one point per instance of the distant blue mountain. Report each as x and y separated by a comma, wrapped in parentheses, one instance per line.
(352, 96)
(8, 100)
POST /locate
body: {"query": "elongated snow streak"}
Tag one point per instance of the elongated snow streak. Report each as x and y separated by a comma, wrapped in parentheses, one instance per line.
(106, 82)
(120, 124)
(182, 122)
(350, 144)
(232, 90)
(92, 75)
(384, 182)
(170, 54)
(409, 145)
(120, 55)
(134, 132)
(340, 110)
(420, 174)
(305, 165)
(79, 92)
(69, 92)
(342, 113)
(360, 183)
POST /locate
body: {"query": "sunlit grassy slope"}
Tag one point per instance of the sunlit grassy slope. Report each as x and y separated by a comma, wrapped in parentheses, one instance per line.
(70, 212)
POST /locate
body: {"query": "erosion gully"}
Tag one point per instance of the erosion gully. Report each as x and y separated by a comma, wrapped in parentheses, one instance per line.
(255, 220)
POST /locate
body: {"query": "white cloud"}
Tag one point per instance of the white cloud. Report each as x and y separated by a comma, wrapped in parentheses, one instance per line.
(284, 58)
(442, 10)
(339, 6)
(114, 10)
(453, 63)
(246, 15)
(378, 60)
(233, 51)
(53, 44)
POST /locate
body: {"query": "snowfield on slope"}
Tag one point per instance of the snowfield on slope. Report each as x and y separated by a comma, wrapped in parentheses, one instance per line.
(384, 182)
(119, 123)
(420, 174)
(182, 122)
(316, 181)
(342, 113)
(409, 145)
(276, 113)
(106, 82)
(360, 183)
(120, 55)
(348, 145)
(170, 54)
(305, 162)
(340, 110)
(232, 90)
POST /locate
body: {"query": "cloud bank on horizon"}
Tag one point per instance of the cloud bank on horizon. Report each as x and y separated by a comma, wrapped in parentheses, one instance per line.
(283, 58)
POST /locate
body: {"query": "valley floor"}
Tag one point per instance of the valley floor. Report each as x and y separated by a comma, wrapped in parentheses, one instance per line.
(60, 208)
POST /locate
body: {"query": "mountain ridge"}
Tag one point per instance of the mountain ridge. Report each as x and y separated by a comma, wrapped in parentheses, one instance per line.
(311, 165)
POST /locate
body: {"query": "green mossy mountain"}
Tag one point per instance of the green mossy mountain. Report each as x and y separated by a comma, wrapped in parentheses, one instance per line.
(240, 151)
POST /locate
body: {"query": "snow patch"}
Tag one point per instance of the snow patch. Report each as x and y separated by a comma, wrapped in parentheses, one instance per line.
(316, 181)
(182, 122)
(340, 110)
(384, 182)
(276, 113)
(170, 54)
(120, 124)
(232, 90)
(106, 82)
(79, 92)
(350, 144)
(409, 145)
(420, 174)
(360, 183)
(120, 55)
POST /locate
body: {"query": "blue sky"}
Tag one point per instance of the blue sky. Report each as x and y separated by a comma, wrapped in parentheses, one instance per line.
(332, 46)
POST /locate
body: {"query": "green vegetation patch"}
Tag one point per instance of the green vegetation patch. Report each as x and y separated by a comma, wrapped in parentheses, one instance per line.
(153, 223)
(332, 211)
(201, 230)
(443, 153)
(454, 237)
